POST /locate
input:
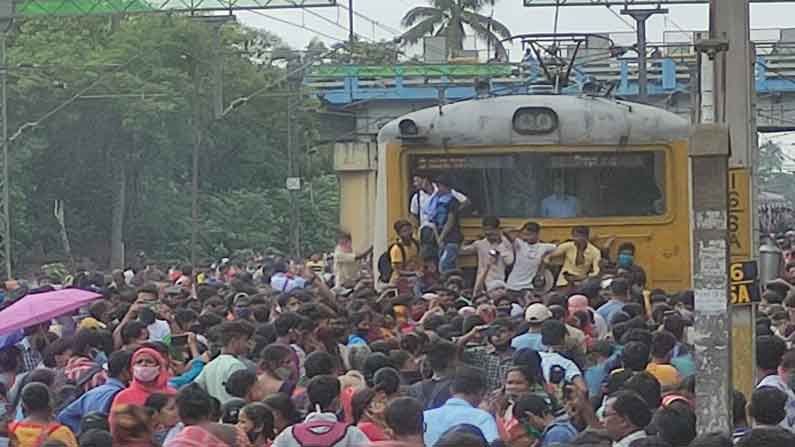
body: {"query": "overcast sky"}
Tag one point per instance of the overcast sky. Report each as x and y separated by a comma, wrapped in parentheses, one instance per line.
(387, 13)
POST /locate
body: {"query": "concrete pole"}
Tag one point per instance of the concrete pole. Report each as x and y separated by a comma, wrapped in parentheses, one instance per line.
(640, 16)
(734, 80)
(709, 151)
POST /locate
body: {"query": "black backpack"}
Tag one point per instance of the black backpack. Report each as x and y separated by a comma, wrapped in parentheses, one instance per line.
(433, 393)
(385, 261)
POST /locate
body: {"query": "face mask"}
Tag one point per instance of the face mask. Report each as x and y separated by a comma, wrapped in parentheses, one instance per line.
(252, 435)
(146, 373)
(532, 432)
(283, 373)
(242, 312)
(625, 260)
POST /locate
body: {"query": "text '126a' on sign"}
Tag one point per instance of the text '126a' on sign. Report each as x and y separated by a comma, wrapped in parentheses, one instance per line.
(744, 280)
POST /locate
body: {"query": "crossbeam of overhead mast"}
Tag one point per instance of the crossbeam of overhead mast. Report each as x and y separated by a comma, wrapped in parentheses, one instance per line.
(626, 3)
(38, 8)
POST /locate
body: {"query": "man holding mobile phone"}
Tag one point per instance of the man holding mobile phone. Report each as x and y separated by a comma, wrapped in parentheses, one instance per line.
(488, 347)
(495, 252)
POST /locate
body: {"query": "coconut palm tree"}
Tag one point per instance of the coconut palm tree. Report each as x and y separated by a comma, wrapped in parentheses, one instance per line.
(452, 18)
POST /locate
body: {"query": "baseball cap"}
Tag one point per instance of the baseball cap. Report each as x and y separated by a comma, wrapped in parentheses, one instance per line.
(429, 296)
(537, 313)
(91, 323)
(242, 299)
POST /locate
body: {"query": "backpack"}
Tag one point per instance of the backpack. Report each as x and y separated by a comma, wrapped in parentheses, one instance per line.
(385, 261)
(79, 388)
(319, 433)
(432, 393)
(45, 434)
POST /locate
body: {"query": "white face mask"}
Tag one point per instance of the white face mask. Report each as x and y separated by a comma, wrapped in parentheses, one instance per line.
(146, 373)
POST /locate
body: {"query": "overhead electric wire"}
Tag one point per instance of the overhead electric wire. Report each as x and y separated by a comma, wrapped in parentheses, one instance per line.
(381, 25)
(339, 25)
(626, 22)
(297, 25)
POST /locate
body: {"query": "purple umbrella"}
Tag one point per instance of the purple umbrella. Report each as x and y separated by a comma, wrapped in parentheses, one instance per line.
(42, 307)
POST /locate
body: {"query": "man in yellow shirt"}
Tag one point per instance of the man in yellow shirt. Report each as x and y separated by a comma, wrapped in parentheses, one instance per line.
(580, 257)
(404, 254)
(662, 346)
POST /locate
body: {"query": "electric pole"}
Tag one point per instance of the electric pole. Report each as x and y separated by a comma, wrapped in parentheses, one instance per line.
(722, 223)
(197, 141)
(293, 184)
(640, 16)
(351, 33)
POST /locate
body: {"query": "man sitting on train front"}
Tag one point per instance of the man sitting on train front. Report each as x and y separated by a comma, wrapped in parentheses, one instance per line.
(559, 204)
(580, 258)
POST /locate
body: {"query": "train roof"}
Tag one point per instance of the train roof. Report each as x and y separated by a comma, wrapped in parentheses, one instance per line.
(580, 120)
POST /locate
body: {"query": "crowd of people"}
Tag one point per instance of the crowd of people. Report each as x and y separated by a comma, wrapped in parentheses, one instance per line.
(548, 345)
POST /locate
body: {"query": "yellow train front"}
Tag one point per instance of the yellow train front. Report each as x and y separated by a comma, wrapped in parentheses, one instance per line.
(617, 167)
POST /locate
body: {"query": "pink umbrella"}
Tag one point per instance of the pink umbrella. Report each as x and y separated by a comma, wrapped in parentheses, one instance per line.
(41, 307)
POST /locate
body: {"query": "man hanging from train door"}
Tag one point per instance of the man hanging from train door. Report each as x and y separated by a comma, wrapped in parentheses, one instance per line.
(445, 217)
(422, 213)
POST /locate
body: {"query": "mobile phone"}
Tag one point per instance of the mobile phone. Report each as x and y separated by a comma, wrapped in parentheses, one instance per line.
(494, 253)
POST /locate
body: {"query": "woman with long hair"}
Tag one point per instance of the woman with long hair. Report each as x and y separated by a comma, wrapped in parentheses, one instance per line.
(132, 426)
(284, 412)
(256, 420)
(193, 406)
(369, 404)
(276, 365)
(520, 380)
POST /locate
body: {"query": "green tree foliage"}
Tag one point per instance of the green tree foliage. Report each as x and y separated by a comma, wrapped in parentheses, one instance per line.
(362, 52)
(155, 83)
(772, 176)
(452, 19)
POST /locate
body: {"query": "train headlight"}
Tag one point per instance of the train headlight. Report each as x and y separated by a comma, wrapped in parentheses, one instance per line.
(535, 120)
(408, 128)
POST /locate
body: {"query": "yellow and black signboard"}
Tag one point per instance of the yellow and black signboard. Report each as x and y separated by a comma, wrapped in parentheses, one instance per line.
(744, 278)
(739, 214)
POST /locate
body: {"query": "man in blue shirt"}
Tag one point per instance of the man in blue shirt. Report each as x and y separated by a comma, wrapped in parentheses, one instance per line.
(468, 387)
(535, 315)
(284, 282)
(99, 399)
(559, 204)
(619, 296)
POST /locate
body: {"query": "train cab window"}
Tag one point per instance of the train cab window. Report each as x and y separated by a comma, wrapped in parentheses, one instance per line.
(554, 184)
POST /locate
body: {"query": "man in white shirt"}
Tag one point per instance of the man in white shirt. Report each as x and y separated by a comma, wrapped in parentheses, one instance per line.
(785, 376)
(528, 257)
(494, 253)
(625, 418)
(558, 370)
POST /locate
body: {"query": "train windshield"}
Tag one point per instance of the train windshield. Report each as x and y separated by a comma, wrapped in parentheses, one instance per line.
(554, 184)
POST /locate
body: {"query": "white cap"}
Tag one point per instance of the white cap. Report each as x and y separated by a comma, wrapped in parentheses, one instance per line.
(429, 296)
(537, 313)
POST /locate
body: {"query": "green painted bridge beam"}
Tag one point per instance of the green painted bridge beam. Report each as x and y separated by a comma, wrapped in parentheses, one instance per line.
(39, 8)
